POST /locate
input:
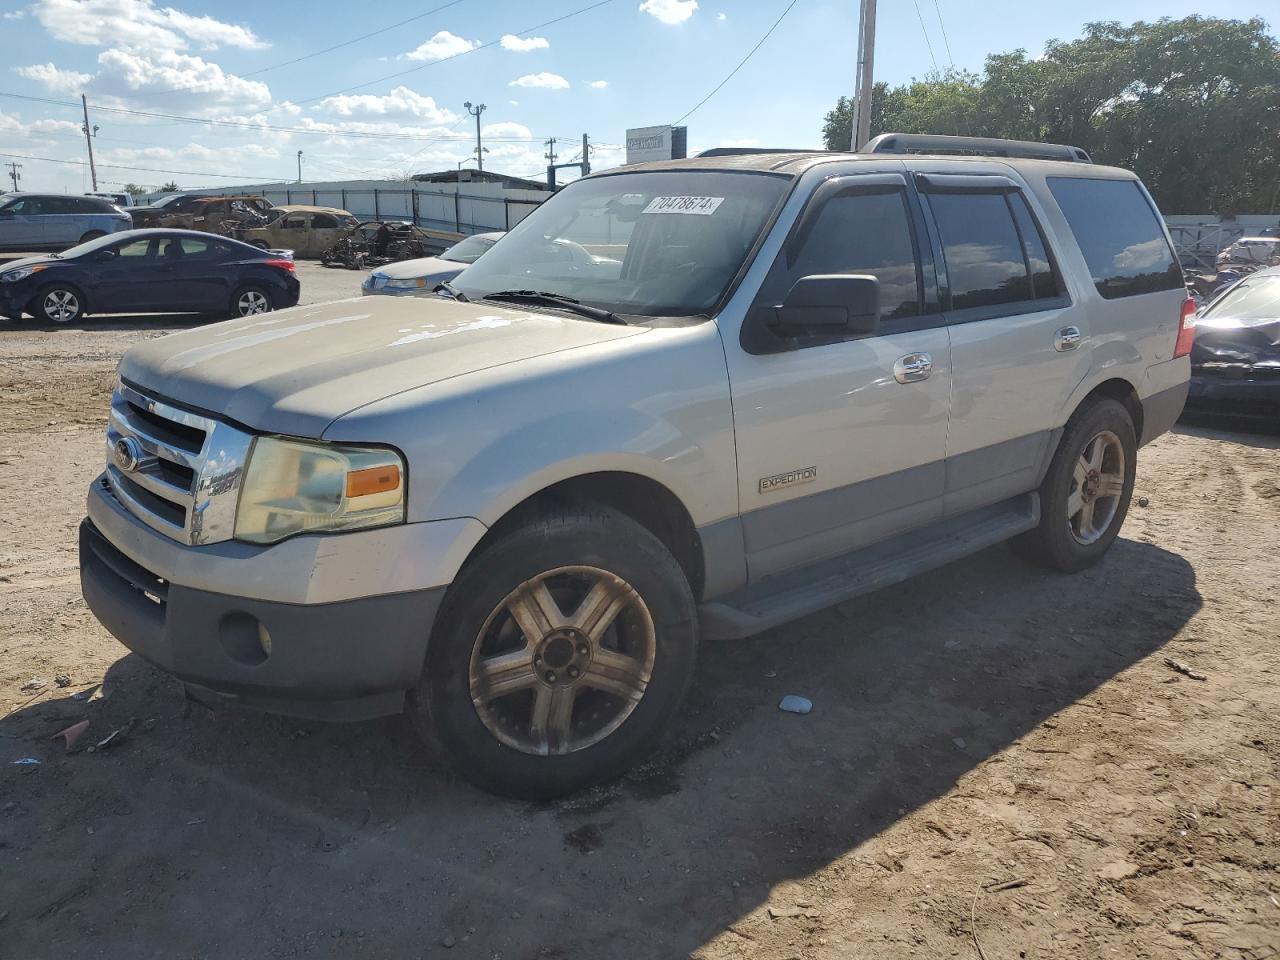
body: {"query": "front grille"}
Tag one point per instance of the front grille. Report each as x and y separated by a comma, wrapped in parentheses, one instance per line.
(185, 481)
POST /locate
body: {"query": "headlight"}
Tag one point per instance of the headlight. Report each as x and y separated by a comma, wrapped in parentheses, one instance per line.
(20, 273)
(292, 487)
(414, 283)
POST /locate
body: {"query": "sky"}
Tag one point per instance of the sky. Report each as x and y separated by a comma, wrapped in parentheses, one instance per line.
(391, 104)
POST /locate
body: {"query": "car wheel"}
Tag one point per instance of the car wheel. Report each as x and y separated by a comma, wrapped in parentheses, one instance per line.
(260, 244)
(92, 235)
(247, 301)
(560, 654)
(1085, 494)
(59, 305)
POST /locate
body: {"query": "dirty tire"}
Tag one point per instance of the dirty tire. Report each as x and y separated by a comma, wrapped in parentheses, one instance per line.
(442, 707)
(249, 300)
(1053, 543)
(92, 235)
(58, 304)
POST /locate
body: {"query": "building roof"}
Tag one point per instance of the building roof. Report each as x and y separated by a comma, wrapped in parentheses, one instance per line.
(468, 175)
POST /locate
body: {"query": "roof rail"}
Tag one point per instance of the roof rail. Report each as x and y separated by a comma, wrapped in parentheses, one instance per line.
(747, 151)
(983, 146)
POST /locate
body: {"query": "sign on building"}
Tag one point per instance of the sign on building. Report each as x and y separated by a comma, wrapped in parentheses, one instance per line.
(656, 143)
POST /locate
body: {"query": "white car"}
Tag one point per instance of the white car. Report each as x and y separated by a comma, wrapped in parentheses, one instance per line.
(780, 381)
(420, 277)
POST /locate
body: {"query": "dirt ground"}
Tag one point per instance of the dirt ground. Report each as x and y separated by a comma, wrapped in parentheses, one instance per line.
(999, 763)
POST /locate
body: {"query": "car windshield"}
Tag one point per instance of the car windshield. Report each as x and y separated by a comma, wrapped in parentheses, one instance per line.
(468, 250)
(1257, 298)
(660, 243)
(95, 244)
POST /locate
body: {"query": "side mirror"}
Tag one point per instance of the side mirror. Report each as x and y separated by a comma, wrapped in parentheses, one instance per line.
(830, 303)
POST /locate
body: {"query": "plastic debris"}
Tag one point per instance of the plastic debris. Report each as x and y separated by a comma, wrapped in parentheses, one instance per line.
(26, 762)
(35, 683)
(1183, 669)
(793, 704)
(72, 733)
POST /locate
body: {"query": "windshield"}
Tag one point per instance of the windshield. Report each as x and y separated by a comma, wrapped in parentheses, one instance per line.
(468, 250)
(1257, 298)
(662, 243)
(97, 243)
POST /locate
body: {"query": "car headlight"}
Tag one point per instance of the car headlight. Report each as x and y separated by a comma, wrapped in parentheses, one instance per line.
(20, 273)
(292, 487)
(413, 283)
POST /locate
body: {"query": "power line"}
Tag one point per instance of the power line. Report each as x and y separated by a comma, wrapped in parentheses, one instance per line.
(455, 56)
(741, 63)
(926, 35)
(943, 27)
(121, 166)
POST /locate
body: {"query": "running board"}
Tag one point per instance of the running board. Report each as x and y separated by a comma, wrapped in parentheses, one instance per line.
(789, 596)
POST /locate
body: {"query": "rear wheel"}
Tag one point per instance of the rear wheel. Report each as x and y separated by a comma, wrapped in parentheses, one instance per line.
(260, 244)
(559, 656)
(250, 300)
(92, 235)
(1085, 494)
(59, 305)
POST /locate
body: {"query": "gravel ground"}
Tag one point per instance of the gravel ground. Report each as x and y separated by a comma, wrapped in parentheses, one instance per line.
(1000, 763)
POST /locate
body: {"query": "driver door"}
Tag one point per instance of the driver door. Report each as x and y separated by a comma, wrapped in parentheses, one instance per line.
(841, 439)
(126, 282)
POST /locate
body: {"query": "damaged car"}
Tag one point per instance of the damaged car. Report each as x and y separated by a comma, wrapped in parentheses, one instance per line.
(306, 230)
(422, 276)
(225, 216)
(1235, 362)
(372, 243)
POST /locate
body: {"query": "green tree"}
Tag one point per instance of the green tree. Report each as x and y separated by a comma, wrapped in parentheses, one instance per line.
(1191, 105)
(134, 189)
(170, 187)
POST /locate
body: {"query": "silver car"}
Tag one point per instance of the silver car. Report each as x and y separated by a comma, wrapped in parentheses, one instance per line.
(422, 276)
(40, 221)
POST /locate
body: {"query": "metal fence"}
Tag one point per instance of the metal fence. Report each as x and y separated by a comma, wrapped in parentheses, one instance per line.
(456, 212)
(1198, 240)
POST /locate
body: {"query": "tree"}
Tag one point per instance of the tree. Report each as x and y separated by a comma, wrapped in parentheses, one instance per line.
(134, 189)
(170, 187)
(1191, 105)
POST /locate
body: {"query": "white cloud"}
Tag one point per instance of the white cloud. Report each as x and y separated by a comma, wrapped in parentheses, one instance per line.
(13, 15)
(514, 103)
(669, 11)
(505, 128)
(12, 123)
(544, 80)
(721, 17)
(54, 77)
(518, 45)
(598, 84)
(139, 25)
(125, 73)
(443, 44)
(401, 101)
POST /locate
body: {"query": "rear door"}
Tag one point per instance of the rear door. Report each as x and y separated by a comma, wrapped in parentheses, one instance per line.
(192, 278)
(841, 439)
(1015, 337)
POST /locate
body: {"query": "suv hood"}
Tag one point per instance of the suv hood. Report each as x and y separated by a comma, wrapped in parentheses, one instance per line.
(296, 371)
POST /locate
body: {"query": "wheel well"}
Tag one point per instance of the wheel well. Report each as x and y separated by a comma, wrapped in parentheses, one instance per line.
(645, 501)
(1123, 392)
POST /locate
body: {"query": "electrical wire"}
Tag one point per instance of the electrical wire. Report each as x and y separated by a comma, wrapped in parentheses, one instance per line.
(926, 35)
(741, 64)
(120, 166)
(943, 27)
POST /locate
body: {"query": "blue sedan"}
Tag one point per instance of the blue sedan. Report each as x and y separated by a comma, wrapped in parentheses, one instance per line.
(149, 271)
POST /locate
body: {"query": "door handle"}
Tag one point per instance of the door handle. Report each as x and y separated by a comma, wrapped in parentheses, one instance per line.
(1068, 338)
(913, 368)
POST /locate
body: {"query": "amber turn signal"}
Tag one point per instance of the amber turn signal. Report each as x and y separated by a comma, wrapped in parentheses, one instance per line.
(361, 483)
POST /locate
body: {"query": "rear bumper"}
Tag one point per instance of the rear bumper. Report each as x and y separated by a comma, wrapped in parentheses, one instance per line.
(349, 660)
(1161, 410)
(1255, 399)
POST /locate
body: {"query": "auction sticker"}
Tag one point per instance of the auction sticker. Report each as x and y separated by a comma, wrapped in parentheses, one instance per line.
(698, 206)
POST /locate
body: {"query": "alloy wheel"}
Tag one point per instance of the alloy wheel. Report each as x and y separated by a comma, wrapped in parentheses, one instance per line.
(61, 306)
(252, 302)
(1097, 484)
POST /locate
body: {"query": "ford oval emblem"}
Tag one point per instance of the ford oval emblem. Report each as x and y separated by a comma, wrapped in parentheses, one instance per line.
(128, 453)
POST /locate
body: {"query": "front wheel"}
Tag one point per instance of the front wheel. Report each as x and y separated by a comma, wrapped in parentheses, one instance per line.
(1085, 494)
(560, 654)
(59, 305)
(248, 301)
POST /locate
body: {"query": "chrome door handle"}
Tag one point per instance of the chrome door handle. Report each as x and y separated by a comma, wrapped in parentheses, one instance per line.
(913, 368)
(1068, 338)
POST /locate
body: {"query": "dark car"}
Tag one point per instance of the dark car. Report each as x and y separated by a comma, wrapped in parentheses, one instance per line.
(1235, 362)
(149, 271)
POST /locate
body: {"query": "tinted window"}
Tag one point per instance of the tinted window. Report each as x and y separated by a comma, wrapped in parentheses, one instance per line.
(1044, 281)
(983, 251)
(856, 233)
(136, 249)
(322, 221)
(194, 247)
(1119, 234)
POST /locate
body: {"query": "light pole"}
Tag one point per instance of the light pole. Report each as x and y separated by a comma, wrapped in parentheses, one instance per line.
(479, 109)
(299, 166)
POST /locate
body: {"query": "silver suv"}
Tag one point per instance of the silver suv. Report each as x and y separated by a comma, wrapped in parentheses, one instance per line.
(53, 221)
(782, 380)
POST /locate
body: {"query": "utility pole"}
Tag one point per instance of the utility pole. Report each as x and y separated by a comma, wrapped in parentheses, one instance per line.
(551, 162)
(15, 176)
(88, 138)
(586, 156)
(865, 81)
(583, 164)
(299, 166)
(479, 109)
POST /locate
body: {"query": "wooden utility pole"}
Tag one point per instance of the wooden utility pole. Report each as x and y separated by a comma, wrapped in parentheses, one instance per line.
(865, 81)
(14, 175)
(88, 138)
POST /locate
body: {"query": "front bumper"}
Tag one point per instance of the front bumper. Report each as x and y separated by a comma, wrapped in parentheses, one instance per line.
(15, 297)
(1254, 399)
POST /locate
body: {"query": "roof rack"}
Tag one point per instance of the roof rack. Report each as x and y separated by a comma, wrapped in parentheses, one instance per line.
(748, 151)
(983, 146)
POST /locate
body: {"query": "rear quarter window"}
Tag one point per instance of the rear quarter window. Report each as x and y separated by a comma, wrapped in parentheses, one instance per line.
(1120, 235)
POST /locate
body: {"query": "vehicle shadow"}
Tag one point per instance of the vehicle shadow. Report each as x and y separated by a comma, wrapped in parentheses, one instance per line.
(117, 321)
(1250, 432)
(230, 834)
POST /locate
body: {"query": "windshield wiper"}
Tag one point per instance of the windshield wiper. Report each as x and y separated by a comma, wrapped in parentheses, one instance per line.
(451, 290)
(559, 300)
